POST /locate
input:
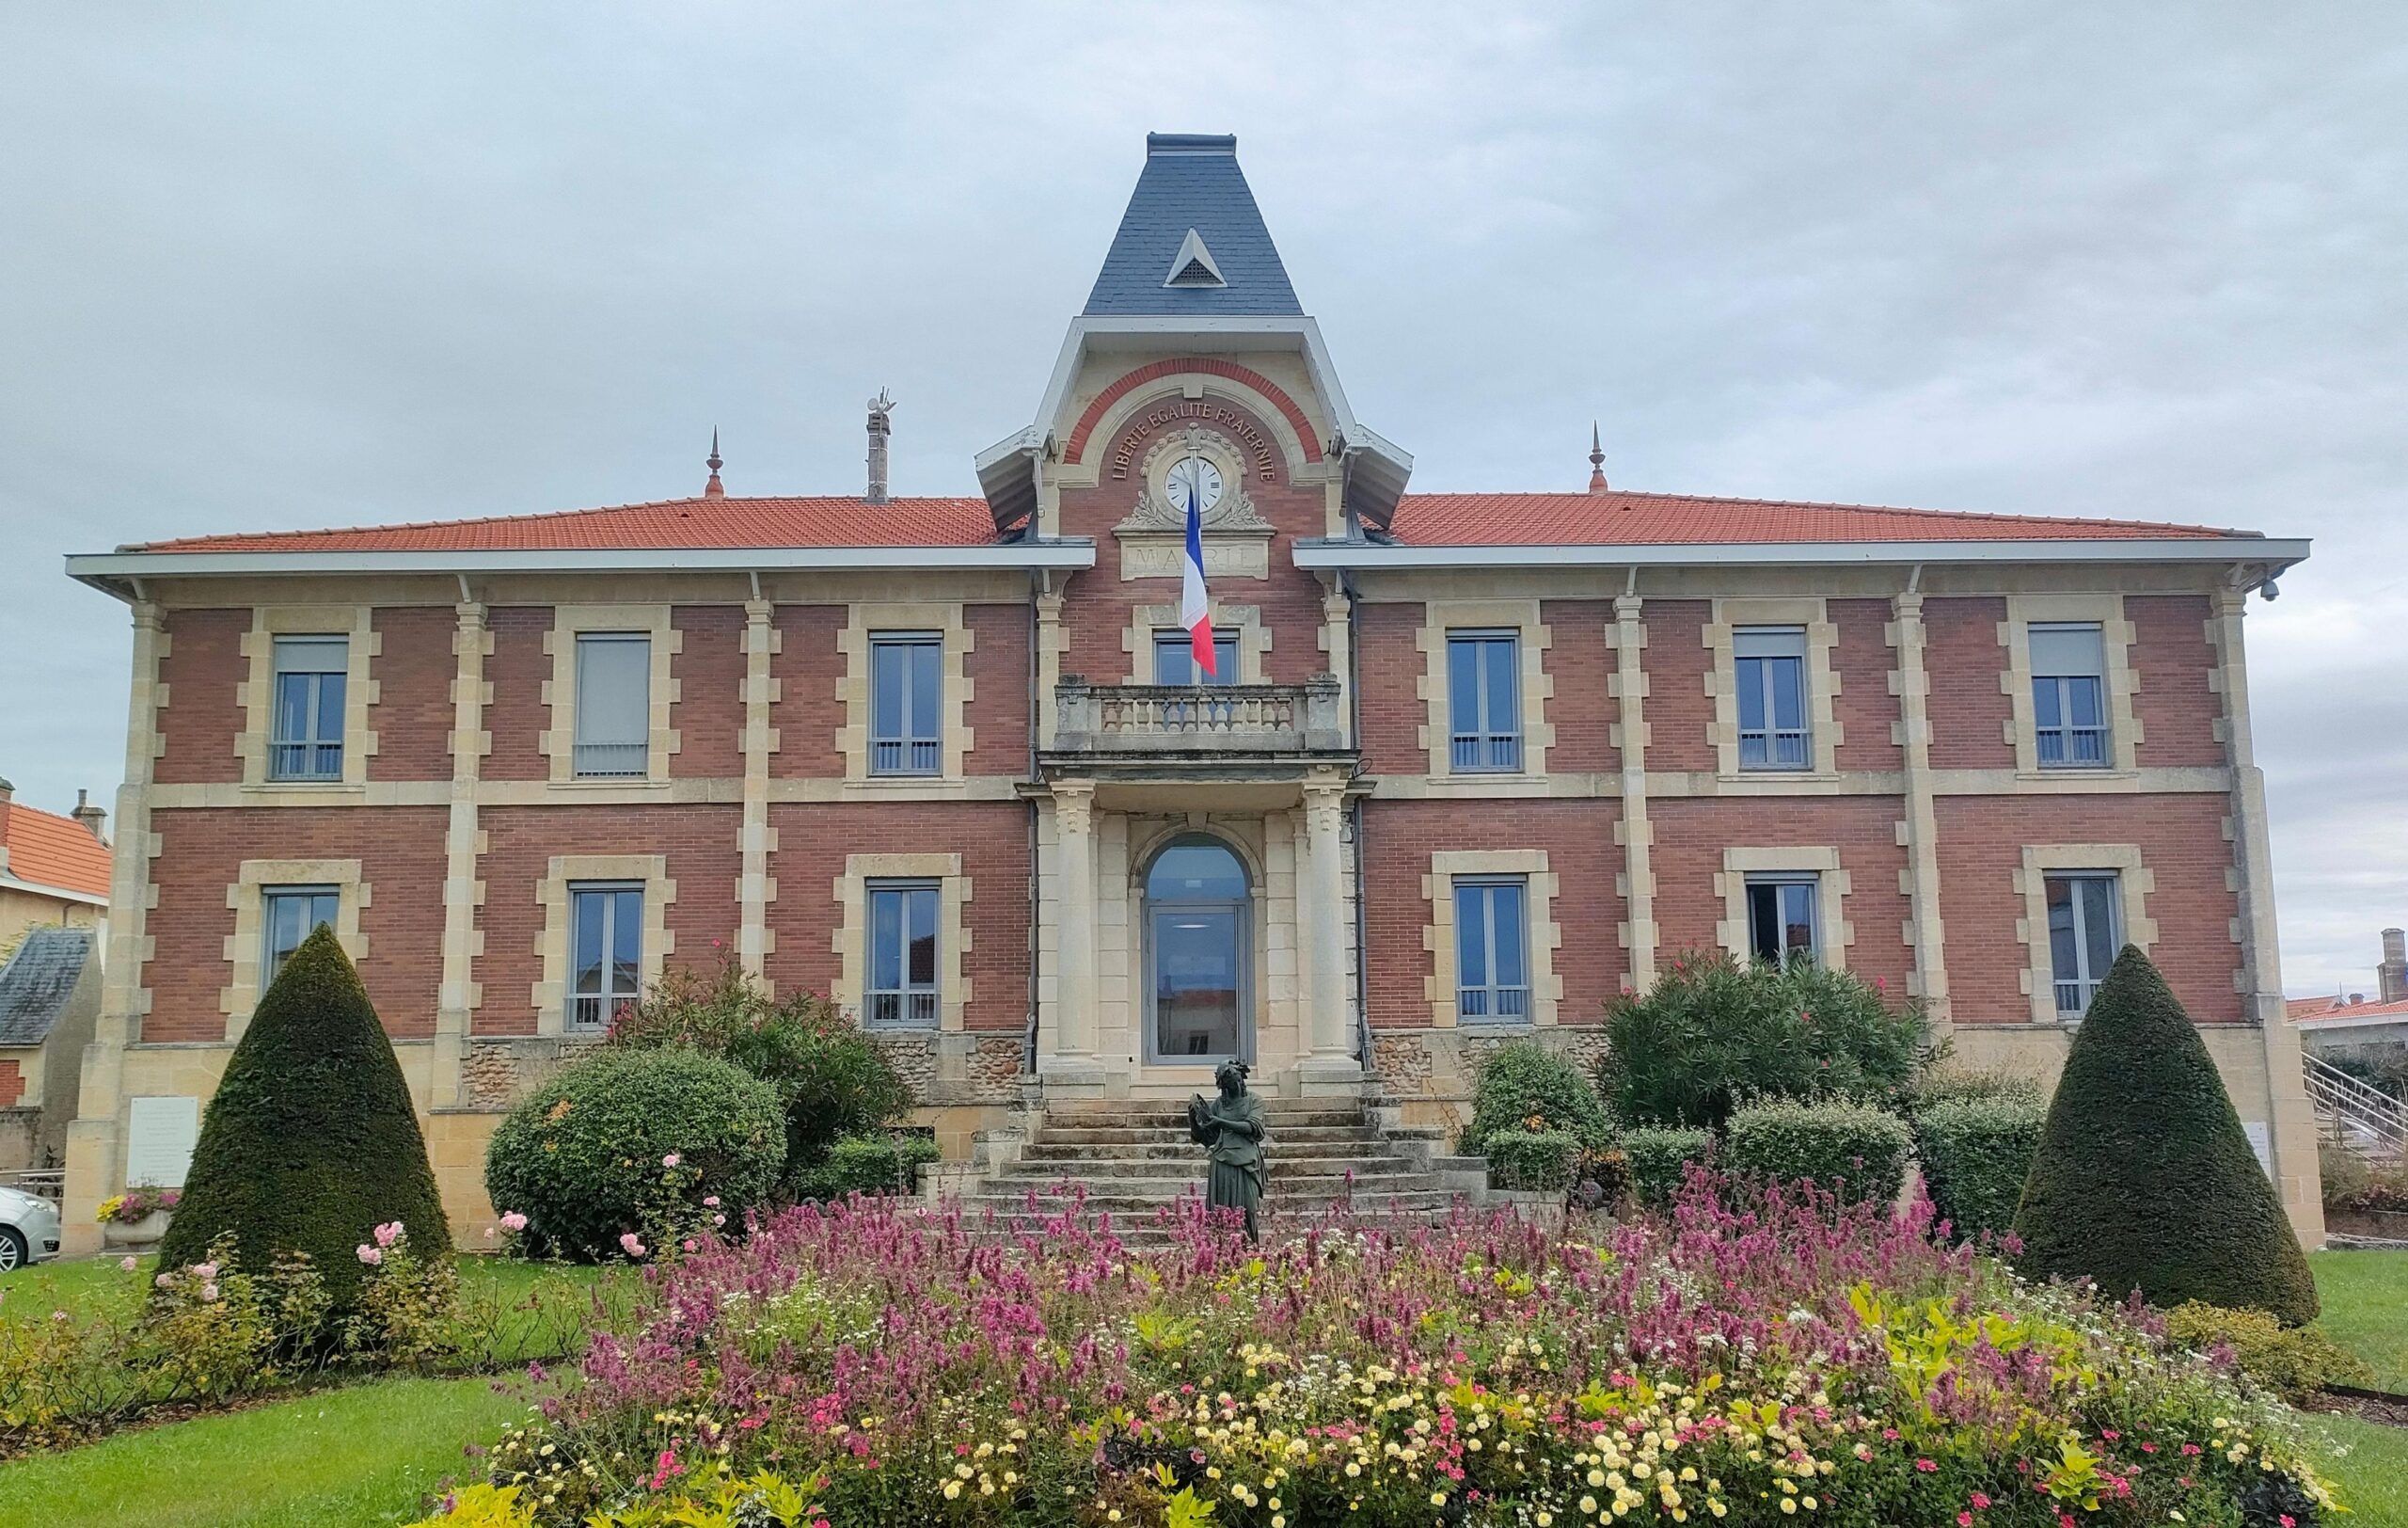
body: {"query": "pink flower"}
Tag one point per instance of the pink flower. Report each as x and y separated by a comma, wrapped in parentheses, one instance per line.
(209, 1292)
(370, 1255)
(688, 1244)
(388, 1234)
(631, 1244)
(1926, 1466)
(670, 1161)
(710, 1201)
(1981, 1500)
(204, 1271)
(164, 1279)
(719, 1220)
(1964, 1519)
(126, 1264)
(513, 1220)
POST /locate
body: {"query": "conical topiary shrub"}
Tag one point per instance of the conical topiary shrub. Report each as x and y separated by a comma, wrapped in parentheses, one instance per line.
(2144, 1179)
(311, 1142)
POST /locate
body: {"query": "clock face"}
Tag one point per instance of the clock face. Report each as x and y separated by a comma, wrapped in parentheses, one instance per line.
(1192, 479)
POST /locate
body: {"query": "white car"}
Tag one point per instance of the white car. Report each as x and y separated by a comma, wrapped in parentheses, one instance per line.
(29, 1228)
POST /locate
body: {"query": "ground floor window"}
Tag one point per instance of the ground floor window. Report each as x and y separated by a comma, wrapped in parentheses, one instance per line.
(605, 950)
(902, 988)
(1782, 917)
(290, 912)
(1492, 950)
(2084, 933)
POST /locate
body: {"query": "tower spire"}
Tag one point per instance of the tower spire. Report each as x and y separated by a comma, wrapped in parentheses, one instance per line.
(1596, 460)
(713, 488)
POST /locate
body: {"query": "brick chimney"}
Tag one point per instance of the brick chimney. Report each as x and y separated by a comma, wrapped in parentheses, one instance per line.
(880, 426)
(2392, 975)
(90, 816)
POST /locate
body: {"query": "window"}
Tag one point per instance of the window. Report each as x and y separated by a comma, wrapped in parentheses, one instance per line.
(907, 684)
(902, 993)
(1483, 694)
(605, 950)
(2069, 696)
(289, 914)
(2083, 935)
(1492, 950)
(613, 705)
(1771, 674)
(1780, 918)
(1175, 659)
(310, 673)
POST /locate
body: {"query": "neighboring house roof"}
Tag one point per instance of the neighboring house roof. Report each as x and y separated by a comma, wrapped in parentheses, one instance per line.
(38, 980)
(2336, 1014)
(1192, 183)
(53, 852)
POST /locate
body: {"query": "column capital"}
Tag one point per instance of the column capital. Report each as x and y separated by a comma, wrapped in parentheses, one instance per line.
(1627, 607)
(1907, 605)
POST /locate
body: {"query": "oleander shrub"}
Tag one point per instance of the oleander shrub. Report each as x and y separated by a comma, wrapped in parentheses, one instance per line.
(1713, 1032)
(2294, 1361)
(311, 1142)
(1660, 1157)
(2144, 1179)
(832, 1080)
(1524, 1086)
(635, 1143)
(1533, 1160)
(1855, 1151)
(884, 1163)
(1976, 1152)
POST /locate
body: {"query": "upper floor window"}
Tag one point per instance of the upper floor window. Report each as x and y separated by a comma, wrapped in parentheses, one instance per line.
(289, 915)
(605, 950)
(1175, 659)
(311, 676)
(1492, 950)
(906, 691)
(1483, 697)
(901, 992)
(1782, 917)
(613, 704)
(2085, 931)
(1771, 677)
(2070, 696)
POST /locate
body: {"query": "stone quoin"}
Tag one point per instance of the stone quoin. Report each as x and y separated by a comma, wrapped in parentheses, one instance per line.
(1474, 764)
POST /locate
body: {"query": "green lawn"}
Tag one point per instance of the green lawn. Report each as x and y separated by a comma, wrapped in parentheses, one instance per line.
(2372, 1476)
(369, 1452)
(2366, 1309)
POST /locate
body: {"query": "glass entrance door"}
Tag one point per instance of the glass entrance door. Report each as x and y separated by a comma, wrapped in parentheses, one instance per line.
(1198, 914)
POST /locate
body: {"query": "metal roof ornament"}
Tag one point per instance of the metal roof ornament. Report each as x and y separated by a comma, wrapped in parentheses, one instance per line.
(713, 489)
(1596, 460)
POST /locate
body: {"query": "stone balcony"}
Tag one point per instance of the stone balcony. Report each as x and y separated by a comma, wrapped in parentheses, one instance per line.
(1158, 728)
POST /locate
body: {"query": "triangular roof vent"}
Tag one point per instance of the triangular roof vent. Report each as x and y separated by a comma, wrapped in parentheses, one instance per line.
(1194, 266)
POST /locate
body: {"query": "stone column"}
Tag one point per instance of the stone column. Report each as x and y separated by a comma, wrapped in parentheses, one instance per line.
(1638, 838)
(1919, 829)
(456, 1000)
(2291, 1121)
(1069, 1062)
(755, 889)
(1330, 1065)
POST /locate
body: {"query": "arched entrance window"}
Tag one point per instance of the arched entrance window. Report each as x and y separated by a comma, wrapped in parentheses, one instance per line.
(1198, 974)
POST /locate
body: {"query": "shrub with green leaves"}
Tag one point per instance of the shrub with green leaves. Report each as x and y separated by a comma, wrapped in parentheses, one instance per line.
(880, 1163)
(1939, 1085)
(1525, 1087)
(1533, 1160)
(1976, 1152)
(2144, 1179)
(586, 1157)
(1713, 1032)
(2295, 1362)
(312, 1141)
(1854, 1150)
(832, 1079)
(1660, 1158)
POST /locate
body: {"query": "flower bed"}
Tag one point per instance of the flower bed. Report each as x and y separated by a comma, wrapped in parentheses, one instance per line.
(873, 1364)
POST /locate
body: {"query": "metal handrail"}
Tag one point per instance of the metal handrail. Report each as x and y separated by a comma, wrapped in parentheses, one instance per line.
(2352, 1106)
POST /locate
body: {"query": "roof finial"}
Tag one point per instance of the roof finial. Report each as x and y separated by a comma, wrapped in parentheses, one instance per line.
(713, 488)
(1596, 460)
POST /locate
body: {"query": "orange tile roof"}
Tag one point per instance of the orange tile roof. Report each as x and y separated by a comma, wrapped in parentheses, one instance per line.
(53, 851)
(2311, 1011)
(1435, 519)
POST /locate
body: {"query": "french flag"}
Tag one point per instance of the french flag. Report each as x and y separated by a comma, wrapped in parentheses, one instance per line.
(1195, 609)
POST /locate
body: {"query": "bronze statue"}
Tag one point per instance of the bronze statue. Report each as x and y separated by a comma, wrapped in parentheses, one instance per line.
(1231, 1130)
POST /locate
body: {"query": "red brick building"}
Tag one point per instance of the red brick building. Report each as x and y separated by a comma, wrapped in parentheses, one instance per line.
(1476, 763)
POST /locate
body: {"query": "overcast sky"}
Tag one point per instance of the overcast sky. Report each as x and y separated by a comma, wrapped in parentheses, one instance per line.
(286, 266)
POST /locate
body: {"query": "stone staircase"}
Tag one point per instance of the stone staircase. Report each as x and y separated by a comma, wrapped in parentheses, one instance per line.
(1133, 1160)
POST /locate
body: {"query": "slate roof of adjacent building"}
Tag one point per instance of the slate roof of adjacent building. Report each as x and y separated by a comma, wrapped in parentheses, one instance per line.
(38, 980)
(47, 849)
(1192, 181)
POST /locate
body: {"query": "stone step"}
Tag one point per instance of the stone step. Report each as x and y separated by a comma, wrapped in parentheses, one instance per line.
(1275, 1114)
(1137, 1199)
(1051, 1175)
(1278, 1150)
(1122, 1135)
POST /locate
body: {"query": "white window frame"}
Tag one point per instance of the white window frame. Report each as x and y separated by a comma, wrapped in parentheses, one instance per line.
(577, 1017)
(905, 751)
(1780, 883)
(271, 959)
(1492, 1002)
(2082, 984)
(312, 757)
(606, 758)
(2070, 736)
(908, 1004)
(1484, 749)
(1777, 744)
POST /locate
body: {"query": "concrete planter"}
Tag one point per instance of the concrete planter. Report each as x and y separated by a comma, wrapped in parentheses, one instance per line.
(147, 1231)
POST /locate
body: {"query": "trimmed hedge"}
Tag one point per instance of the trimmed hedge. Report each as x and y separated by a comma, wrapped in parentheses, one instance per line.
(1950, 1085)
(1660, 1158)
(582, 1155)
(1713, 1032)
(2144, 1179)
(311, 1142)
(1522, 1080)
(869, 1164)
(2295, 1360)
(1976, 1152)
(1853, 1150)
(1533, 1160)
